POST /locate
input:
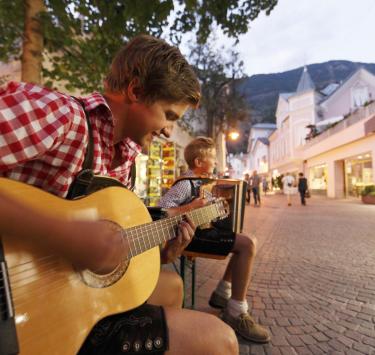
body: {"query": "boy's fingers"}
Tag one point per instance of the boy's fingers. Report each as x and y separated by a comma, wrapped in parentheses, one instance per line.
(186, 233)
(190, 223)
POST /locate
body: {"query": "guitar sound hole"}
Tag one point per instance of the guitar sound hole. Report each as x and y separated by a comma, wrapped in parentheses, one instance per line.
(101, 280)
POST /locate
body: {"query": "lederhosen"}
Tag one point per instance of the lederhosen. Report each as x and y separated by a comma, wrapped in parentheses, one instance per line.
(142, 330)
(218, 239)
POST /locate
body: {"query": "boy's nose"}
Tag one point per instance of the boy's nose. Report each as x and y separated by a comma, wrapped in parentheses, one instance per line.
(167, 131)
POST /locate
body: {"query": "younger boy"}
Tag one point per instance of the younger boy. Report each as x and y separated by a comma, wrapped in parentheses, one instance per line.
(230, 293)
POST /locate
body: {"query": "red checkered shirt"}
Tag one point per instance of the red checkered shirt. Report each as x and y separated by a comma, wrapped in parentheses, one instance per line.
(44, 136)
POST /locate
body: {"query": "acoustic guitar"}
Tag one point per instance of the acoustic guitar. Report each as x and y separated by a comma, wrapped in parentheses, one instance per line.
(55, 306)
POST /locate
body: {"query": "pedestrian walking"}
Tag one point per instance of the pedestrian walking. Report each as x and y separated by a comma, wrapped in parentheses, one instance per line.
(302, 188)
(265, 185)
(288, 185)
(248, 188)
(255, 182)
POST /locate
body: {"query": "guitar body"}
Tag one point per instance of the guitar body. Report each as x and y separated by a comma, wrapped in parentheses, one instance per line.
(54, 309)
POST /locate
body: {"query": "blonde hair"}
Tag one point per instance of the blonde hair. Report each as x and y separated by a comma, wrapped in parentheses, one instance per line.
(160, 70)
(198, 148)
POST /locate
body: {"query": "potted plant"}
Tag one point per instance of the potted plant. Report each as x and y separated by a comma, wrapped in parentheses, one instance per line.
(368, 194)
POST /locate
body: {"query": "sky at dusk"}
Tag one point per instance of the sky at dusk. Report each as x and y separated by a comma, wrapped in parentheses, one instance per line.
(299, 32)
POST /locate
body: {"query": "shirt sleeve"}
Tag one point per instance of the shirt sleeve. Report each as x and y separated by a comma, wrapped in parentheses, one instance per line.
(30, 124)
(177, 195)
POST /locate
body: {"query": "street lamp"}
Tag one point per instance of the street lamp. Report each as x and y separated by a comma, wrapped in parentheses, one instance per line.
(233, 135)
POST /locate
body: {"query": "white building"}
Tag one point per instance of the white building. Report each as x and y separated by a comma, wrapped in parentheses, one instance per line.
(258, 148)
(259, 156)
(236, 165)
(337, 157)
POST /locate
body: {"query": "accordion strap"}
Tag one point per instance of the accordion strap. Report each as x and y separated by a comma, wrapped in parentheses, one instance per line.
(195, 190)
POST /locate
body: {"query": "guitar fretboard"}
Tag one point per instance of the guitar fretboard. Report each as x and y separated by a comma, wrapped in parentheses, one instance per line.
(149, 235)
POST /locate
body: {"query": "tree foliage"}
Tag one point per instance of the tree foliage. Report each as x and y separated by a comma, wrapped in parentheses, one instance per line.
(81, 36)
(219, 71)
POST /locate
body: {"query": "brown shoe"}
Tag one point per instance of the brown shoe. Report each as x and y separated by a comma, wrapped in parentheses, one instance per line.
(245, 326)
(217, 301)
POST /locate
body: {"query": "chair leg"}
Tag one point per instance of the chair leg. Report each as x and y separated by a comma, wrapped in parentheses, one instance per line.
(182, 274)
(193, 283)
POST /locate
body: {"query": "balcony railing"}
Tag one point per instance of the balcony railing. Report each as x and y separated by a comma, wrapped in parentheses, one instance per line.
(360, 114)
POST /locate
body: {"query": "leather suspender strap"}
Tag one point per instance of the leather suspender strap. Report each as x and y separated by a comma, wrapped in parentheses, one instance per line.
(89, 157)
(85, 177)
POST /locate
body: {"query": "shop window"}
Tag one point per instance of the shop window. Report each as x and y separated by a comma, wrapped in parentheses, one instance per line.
(358, 174)
(318, 177)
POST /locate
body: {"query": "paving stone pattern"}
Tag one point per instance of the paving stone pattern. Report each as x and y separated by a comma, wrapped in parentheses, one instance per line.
(313, 283)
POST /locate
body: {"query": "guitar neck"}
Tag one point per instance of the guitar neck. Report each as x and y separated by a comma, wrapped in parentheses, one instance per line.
(149, 235)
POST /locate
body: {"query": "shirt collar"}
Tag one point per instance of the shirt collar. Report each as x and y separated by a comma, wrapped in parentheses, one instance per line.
(188, 173)
(131, 146)
(96, 101)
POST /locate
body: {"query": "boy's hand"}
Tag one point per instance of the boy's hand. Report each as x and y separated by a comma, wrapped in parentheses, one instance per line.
(196, 203)
(176, 246)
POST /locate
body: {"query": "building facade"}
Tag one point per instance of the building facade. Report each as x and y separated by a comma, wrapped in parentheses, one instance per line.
(340, 161)
(327, 134)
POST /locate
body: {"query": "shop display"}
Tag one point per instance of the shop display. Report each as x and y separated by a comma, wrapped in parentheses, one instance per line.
(156, 172)
(318, 178)
(358, 174)
(141, 179)
(169, 165)
(154, 167)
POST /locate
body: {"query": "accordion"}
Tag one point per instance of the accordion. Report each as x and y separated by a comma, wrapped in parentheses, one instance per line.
(234, 191)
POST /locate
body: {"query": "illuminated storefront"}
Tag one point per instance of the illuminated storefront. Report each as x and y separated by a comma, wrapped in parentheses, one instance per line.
(318, 178)
(156, 172)
(358, 174)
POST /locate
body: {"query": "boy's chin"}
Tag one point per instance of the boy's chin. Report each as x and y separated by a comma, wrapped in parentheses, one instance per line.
(145, 144)
(146, 149)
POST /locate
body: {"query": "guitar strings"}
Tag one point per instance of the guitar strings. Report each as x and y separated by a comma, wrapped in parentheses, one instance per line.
(25, 263)
(20, 282)
(168, 223)
(38, 291)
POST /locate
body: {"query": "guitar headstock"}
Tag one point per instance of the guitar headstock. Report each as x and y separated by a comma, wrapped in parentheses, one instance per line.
(222, 207)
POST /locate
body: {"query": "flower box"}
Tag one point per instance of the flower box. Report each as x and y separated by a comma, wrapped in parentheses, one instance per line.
(368, 199)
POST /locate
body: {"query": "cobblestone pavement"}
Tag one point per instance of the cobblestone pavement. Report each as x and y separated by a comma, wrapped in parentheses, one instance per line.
(313, 283)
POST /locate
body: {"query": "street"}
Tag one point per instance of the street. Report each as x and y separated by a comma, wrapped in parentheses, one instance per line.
(313, 282)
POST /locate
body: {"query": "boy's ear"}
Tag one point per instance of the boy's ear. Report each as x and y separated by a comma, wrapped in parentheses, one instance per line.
(197, 163)
(133, 90)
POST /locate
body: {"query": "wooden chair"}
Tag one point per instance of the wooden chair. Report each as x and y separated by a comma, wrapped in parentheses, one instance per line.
(191, 256)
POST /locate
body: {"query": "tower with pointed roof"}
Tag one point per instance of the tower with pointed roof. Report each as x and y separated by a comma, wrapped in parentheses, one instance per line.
(305, 82)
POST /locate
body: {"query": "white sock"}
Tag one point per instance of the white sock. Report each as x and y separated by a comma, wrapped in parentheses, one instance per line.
(236, 308)
(224, 289)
